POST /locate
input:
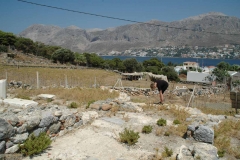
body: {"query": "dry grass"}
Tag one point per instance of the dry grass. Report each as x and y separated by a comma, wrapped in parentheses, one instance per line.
(79, 95)
(59, 77)
(222, 137)
(228, 112)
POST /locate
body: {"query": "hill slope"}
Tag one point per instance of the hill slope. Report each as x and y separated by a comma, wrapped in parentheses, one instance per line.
(190, 31)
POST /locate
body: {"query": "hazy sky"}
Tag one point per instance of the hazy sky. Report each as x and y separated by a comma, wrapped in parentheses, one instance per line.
(16, 16)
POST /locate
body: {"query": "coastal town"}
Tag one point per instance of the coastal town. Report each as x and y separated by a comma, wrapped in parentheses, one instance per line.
(227, 51)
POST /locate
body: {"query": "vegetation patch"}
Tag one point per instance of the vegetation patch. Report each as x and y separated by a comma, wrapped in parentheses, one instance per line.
(176, 121)
(167, 152)
(73, 105)
(161, 122)
(89, 103)
(147, 129)
(129, 136)
(34, 145)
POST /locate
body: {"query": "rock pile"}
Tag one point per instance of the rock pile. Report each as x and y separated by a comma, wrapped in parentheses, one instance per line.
(18, 84)
(132, 91)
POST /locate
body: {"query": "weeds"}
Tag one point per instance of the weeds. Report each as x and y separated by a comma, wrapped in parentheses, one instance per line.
(167, 152)
(176, 121)
(89, 103)
(73, 105)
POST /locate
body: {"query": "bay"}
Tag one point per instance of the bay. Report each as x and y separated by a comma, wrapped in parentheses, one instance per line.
(179, 61)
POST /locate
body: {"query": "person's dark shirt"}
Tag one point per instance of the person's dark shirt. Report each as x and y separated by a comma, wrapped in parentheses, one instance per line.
(161, 85)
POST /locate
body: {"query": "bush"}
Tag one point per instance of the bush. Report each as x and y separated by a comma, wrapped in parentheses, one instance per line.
(167, 152)
(161, 122)
(176, 121)
(129, 136)
(221, 153)
(147, 129)
(3, 48)
(34, 145)
(73, 105)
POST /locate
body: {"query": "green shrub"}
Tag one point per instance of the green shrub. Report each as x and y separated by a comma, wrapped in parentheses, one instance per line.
(167, 133)
(73, 105)
(34, 145)
(90, 102)
(147, 129)
(221, 153)
(176, 121)
(167, 152)
(49, 100)
(161, 122)
(129, 136)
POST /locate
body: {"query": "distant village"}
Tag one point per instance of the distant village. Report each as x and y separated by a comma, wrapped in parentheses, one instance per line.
(227, 51)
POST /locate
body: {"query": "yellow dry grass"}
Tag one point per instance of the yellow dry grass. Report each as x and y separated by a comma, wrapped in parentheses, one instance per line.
(222, 137)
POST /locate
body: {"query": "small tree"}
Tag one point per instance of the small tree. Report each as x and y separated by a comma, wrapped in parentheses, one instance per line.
(63, 56)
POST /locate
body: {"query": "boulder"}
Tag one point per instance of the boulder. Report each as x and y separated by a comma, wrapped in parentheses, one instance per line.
(54, 128)
(2, 147)
(9, 144)
(197, 151)
(204, 151)
(12, 149)
(6, 129)
(46, 121)
(22, 128)
(95, 106)
(204, 134)
(32, 122)
(19, 138)
(13, 120)
(38, 131)
(106, 107)
(70, 120)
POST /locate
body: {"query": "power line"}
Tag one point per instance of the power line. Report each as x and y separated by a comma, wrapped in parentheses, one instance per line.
(122, 19)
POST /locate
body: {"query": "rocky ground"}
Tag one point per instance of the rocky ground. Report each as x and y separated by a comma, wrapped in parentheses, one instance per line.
(97, 138)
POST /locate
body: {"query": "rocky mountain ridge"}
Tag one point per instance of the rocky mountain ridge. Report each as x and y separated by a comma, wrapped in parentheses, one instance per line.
(193, 31)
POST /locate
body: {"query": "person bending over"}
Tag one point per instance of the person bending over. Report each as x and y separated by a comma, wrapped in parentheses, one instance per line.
(162, 87)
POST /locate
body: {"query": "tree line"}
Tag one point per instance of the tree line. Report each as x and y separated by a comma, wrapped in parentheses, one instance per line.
(66, 56)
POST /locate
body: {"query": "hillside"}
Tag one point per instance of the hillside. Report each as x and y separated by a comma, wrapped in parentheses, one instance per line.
(190, 31)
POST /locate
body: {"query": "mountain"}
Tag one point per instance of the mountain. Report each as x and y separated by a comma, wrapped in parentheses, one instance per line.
(193, 31)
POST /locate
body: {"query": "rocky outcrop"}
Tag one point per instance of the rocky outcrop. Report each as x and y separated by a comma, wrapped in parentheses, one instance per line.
(197, 151)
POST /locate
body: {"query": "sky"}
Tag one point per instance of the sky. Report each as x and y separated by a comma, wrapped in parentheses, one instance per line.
(16, 16)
